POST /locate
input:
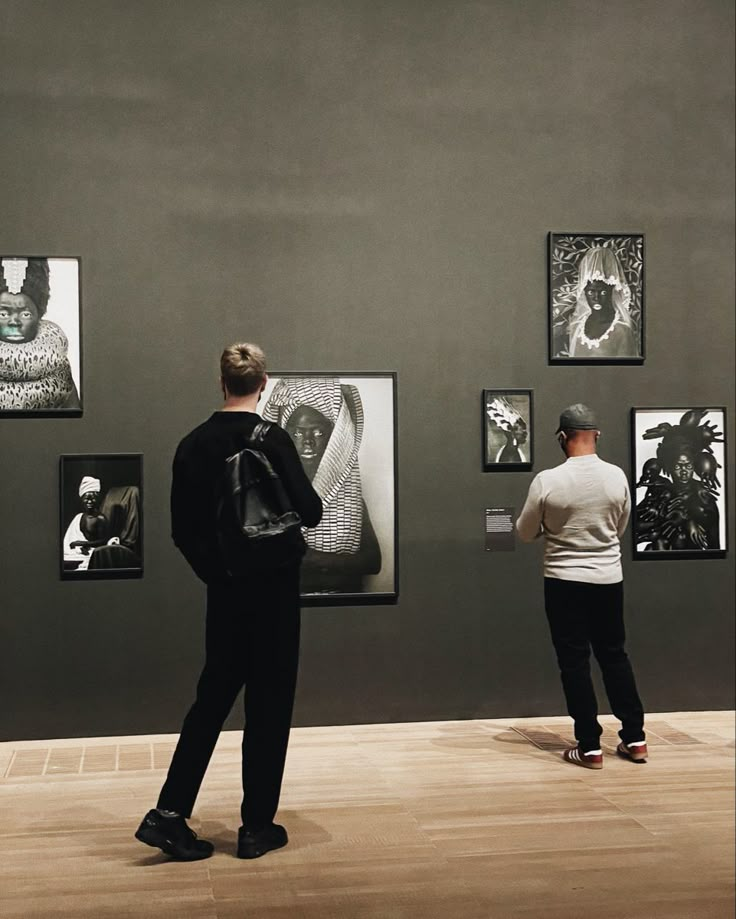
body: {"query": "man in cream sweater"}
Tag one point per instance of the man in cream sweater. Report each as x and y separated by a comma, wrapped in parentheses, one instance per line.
(581, 508)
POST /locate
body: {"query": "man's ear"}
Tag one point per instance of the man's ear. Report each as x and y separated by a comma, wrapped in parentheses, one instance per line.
(223, 388)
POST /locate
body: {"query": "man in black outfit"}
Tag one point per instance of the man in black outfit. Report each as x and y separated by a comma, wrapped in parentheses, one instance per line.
(252, 631)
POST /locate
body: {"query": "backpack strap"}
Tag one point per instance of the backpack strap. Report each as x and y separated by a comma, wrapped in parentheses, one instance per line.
(260, 431)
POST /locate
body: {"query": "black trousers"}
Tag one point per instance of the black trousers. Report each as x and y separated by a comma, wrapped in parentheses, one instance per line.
(583, 616)
(252, 640)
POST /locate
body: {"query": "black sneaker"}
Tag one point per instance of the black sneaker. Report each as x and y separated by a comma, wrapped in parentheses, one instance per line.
(173, 836)
(255, 844)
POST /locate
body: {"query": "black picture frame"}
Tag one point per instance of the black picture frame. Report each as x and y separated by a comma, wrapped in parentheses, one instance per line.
(48, 382)
(356, 484)
(118, 527)
(505, 415)
(668, 501)
(568, 307)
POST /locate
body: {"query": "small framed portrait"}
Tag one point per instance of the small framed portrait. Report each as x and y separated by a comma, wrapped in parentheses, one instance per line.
(344, 429)
(596, 298)
(679, 482)
(101, 515)
(40, 336)
(506, 416)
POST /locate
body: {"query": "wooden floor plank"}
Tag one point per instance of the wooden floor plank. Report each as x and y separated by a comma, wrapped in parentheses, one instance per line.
(440, 820)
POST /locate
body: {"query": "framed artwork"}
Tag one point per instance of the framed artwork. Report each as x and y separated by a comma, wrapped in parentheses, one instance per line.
(507, 429)
(679, 478)
(101, 515)
(40, 336)
(344, 429)
(596, 298)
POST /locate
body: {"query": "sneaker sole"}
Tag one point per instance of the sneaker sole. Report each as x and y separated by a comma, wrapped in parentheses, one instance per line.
(154, 839)
(575, 762)
(640, 760)
(257, 853)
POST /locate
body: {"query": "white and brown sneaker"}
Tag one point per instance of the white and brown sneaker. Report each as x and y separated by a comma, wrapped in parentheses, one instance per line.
(588, 760)
(637, 753)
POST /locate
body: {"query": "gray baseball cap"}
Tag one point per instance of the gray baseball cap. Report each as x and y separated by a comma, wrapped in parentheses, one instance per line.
(577, 417)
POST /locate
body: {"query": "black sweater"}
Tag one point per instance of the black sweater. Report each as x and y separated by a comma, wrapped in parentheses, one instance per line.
(198, 467)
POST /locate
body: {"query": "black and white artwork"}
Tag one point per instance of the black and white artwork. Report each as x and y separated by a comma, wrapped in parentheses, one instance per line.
(679, 476)
(344, 429)
(40, 336)
(101, 515)
(596, 298)
(507, 429)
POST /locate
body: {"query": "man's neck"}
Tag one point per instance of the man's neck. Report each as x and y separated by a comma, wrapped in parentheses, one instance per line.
(241, 403)
(575, 450)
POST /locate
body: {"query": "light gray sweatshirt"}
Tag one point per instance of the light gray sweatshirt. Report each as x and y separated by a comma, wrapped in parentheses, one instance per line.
(581, 508)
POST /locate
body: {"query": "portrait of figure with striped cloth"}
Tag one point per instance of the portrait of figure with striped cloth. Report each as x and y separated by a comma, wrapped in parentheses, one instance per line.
(325, 416)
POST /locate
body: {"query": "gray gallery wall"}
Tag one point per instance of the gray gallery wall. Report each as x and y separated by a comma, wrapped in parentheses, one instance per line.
(359, 185)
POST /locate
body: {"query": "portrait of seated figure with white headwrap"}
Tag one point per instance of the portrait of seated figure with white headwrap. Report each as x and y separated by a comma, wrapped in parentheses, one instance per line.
(597, 294)
(324, 418)
(105, 533)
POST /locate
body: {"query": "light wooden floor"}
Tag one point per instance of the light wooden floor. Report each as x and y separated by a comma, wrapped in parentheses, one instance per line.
(445, 820)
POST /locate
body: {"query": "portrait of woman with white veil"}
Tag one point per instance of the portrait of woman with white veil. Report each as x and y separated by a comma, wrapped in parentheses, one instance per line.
(596, 298)
(343, 430)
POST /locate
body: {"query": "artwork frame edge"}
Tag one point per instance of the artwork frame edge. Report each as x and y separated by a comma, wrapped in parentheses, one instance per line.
(506, 467)
(641, 555)
(592, 361)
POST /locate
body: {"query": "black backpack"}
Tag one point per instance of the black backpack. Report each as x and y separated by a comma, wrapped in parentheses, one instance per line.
(257, 528)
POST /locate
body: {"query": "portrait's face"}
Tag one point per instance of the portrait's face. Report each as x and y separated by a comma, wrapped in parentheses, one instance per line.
(682, 471)
(599, 295)
(310, 431)
(18, 318)
(91, 501)
(650, 470)
(520, 432)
